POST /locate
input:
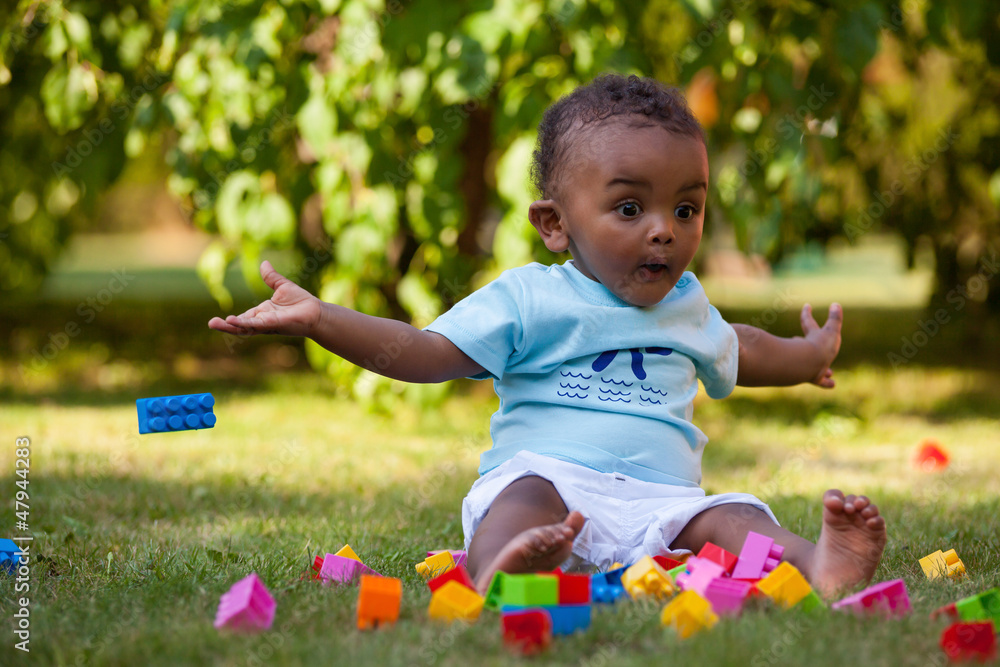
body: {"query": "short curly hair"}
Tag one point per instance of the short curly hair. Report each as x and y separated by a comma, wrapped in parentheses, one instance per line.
(605, 97)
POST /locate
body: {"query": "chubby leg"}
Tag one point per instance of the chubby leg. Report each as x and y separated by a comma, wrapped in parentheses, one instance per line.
(526, 529)
(848, 551)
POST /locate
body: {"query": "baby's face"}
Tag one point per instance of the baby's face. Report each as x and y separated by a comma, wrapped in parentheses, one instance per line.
(633, 206)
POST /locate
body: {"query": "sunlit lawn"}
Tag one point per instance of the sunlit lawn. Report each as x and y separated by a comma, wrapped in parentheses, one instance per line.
(136, 537)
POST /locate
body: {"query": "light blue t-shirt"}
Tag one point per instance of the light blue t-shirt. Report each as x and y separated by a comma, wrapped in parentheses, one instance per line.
(585, 377)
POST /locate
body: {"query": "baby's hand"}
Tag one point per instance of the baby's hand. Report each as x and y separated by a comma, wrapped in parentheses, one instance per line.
(826, 339)
(291, 310)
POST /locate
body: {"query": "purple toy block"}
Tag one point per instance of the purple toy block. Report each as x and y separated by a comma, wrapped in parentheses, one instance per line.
(343, 570)
(459, 556)
(247, 606)
(759, 556)
(699, 574)
(727, 595)
(889, 598)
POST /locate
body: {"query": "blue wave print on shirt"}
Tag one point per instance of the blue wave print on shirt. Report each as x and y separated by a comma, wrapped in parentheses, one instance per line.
(612, 392)
(570, 385)
(621, 383)
(568, 374)
(604, 359)
(569, 395)
(614, 400)
(649, 401)
(655, 391)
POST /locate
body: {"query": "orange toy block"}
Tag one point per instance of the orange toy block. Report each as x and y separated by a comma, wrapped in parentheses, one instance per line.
(378, 600)
(436, 565)
(940, 564)
(688, 613)
(455, 602)
(647, 578)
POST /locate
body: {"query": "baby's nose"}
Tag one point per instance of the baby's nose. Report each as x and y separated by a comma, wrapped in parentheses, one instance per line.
(660, 231)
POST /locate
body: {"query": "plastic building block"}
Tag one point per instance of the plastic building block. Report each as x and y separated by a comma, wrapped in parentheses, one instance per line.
(317, 566)
(573, 588)
(10, 556)
(566, 618)
(940, 564)
(699, 574)
(930, 456)
(646, 578)
(727, 595)
(688, 613)
(677, 571)
(785, 585)
(378, 600)
(530, 590)
(528, 631)
(948, 611)
(455, 602)
(341, 570)
(810, 602)
(436, 565)
(969, 641)
(494, 594)
(983, 606)
(718, 555)
(175, 413)
(458, 574)
(347, 552)
(668, 563)
(889, 598)
(459, 556)
(758, 556)
(606, 587)
(247, 606)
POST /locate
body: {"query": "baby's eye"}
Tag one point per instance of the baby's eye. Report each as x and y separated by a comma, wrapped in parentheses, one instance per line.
(685, 212)
(629, 209)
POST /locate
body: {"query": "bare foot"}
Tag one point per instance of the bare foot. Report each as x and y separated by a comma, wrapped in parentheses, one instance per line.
(849, 546)
(539, 548)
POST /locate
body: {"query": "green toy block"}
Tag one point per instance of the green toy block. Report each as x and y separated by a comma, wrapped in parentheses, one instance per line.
(675, 571)
(494, 594)
(810, 602)
(530, 590)
(983, 606)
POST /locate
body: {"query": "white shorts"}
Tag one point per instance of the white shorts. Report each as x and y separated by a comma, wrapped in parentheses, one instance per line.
(626, 518)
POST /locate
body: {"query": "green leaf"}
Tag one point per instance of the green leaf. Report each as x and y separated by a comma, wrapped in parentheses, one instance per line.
(68, 93)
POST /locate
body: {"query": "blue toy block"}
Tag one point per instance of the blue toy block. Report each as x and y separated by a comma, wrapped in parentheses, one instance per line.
(606, 587)
(10, 556)
(566, 618)
(175, 413)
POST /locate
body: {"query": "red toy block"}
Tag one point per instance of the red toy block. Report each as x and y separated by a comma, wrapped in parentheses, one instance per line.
(667, 563)
(930, 457)
(528, 631)
(758, 556)
(573, 588)
(718, 555)
(948, 611)
(969, 641)
(317, 566)
(459, 574)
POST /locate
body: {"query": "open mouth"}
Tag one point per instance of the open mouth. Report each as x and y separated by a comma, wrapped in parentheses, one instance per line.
(653, 270)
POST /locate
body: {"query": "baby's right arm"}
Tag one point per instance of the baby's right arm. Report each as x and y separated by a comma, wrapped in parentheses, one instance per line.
(388, 347)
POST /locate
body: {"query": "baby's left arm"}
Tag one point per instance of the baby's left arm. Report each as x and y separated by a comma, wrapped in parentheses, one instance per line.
(767, 360)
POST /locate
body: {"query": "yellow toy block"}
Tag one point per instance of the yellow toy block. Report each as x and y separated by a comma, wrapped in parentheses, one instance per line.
(937, 564)
(785, 585)
(347, 552)
(436, 564)
(455, 602)
(688, 613)
(646, 577)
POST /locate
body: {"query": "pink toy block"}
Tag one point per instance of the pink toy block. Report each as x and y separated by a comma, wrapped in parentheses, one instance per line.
(342, 570)
(758, 556)
(888, 598)
(700, 573)
(247, 606)
(459, 556)
(727, 595)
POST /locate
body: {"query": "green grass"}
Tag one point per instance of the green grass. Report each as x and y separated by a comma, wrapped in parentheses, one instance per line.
(137, 537)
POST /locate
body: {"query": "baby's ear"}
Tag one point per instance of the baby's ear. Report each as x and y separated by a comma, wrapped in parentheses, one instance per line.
(546, 217)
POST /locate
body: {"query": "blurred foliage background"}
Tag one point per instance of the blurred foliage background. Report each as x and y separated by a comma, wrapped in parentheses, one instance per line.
(381, 149)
